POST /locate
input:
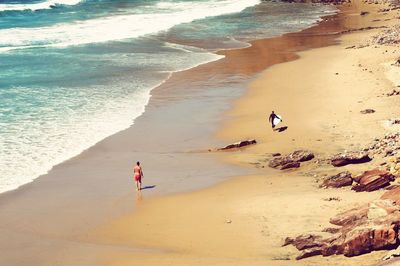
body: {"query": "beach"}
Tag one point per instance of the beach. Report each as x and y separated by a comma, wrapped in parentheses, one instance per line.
(245, 221)
(220, 207)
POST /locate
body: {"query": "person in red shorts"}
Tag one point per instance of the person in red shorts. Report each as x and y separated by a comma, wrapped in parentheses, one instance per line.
(138, 175)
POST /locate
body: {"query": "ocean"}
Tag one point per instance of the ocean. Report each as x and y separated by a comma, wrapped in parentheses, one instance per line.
(73, 72)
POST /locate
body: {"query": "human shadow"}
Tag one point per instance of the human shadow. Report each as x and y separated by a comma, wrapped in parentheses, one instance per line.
(281, 129)
(148, 187)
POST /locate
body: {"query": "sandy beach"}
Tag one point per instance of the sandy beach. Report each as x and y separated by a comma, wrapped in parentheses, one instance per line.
(221, 208)
(245, 221)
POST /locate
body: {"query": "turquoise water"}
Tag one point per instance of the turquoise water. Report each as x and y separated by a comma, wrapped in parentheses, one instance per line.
(74, 72)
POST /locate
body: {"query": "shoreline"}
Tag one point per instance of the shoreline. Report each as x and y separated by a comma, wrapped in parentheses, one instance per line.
(222, 52)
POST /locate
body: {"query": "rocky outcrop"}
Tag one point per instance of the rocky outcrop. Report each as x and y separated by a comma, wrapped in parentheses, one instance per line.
(343, 159)
(291, 160)
(373, 180)
(340, 180)
(374, 226)
(239, 144)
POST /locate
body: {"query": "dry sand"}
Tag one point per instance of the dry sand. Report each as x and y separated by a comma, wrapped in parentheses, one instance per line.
(244, 221)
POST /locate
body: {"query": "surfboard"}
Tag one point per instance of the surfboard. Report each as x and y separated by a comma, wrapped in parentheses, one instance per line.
(277, 120)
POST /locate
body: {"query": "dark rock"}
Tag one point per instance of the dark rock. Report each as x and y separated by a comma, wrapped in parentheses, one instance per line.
(363, 13)
(276, 154)
(350, 158)
(373, 180)
(239, 144)
(393, 93)
(291, 160)
(290, 165)
(367, 111)
(332, 199)
(340, 180)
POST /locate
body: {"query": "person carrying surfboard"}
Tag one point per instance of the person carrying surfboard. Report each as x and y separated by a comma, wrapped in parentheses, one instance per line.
(274, 119)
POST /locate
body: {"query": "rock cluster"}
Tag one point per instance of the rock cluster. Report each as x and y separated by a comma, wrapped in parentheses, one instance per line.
(373, 226)
(239, 144)
(340, 180)
(389, 145)
(372, 180)
(390, 36)
(343, 159)
(393, 93)
(368, 181)
(291, 160)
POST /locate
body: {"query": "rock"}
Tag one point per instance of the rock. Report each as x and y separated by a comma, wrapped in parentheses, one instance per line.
(340, 180)
(367, 111)
(373, 226)
(363, 13)
(364, 240)
(301, 155)
(291, 160)
(397, 63)
(239, 144)
(393, 93)
(373, 180)
(290, 165)
(350, 158)
(332, 199)
(276, 154)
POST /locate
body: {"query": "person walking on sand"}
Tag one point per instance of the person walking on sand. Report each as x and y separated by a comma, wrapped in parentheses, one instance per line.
(138, 175)
(272, 118)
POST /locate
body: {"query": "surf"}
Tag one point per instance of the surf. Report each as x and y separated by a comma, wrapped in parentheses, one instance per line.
(37, 6)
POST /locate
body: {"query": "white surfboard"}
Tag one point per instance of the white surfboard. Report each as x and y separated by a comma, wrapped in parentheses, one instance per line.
(277, 120)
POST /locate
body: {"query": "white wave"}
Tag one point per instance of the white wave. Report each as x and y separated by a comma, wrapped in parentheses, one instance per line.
(163, 17)
(37, 6)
